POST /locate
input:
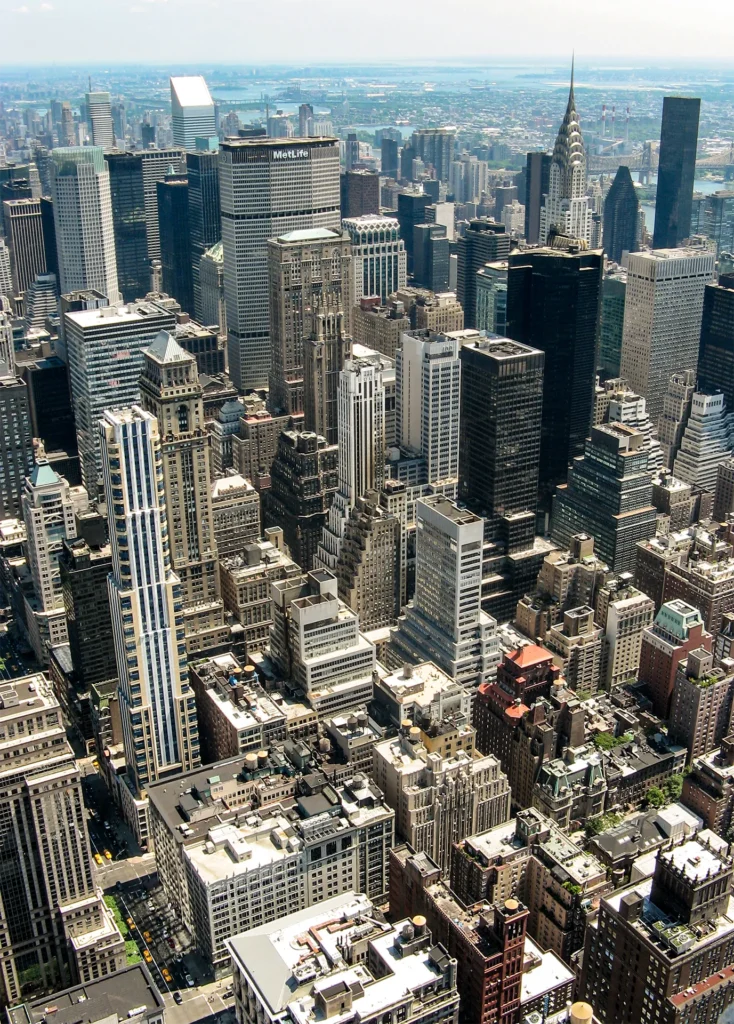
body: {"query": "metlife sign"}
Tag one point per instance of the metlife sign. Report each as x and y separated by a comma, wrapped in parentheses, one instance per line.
(289, 154)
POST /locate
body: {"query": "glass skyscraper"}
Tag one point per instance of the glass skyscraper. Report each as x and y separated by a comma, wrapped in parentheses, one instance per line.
(676, 171)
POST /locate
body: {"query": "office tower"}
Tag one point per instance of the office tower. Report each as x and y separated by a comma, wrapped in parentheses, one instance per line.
(309, 276)
(146, 602)
(84, 568)
(468, 179)
(246, 585)
(303, 481)
(99, 119)
(676, 411)
(367, 569)
(611, 325)
(361, 439)
(513, 217)
(130, 224)
(677, 630)
(157, 164)
(716, 351)
(16, 451)
(431, 257)
(537, 185)
(316, 641)
(608, 495)
(718, 220)
(553, 304)
(235, 513)
(268, 188)
(55, 926)
(501, 405)
(360, 193)
(399, 953)
(175, 238)
(621, 211)
(435, 147)
(85, 238)
(379, 260)
(627, 408)
(662, 318)
(105, 356)
(7, 348)
(706, 442)
(566, 210)
(205, 219)
(49, 235)
(204, 344)
(67, 133)
(6, 273)
(676, 171)
(444, 622)
(305, 120)
(211, 289)
(491, 298)
(324, 356)
(119, 121)
(483, 242)
(411, 211)
(428, 394)
(49, 400)
(192, 111)
(170, 391)
(623, 612)
(380, 328)
(24, 234)
(389, 157)
(351, 150)
(428, 311)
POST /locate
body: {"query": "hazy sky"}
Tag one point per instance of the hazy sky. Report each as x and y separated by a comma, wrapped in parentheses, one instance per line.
(251, 31)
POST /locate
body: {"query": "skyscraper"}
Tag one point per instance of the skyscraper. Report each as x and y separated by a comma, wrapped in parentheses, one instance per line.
(501, 407)
(170, 390)
(411, 211)
(360, 193)
(211, 289)
(157, 705)
(99, 119)
(379, 261)
(24, 232)
(157, 164)
(130, 224)
(268, 187)
(192, 111)
(482, 242)
(205, 219)
(676, 171)
(716, 352)
(361, 433)
(105, 357)
(608, 495)
(566, 207)
(611, 324)
(662, 318)
(85, 239)
(173, 225)
(16, 451)
(621, 214)
(553, 304)
(435, 147)
(431, 257)
(309, 276)
(6, 273)
(537, 183)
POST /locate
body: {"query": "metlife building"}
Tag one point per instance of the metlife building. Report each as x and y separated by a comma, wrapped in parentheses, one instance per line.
(268, 188)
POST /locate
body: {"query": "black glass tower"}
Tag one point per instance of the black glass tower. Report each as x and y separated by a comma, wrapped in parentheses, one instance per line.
(482, 242)
(676, 171)
(621, 212)
(173, 223)
(553, 300)
(716, 352)
(537, 183)
(129, 225)
(431, 257)
(205, 218)
(49, 236)
(411, 211)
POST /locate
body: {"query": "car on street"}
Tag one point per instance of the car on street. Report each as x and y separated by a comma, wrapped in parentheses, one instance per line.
(98, 858)
(177, 997)
(147, 936)
(108, 855)
(189, 981)
(131, 924)
(147, 957)
(171, 943)
(167, 974)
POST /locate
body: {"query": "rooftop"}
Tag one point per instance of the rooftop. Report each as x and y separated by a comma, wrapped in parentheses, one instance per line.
(191, 91)
(109, 999)
(542, 972)
(309, 235)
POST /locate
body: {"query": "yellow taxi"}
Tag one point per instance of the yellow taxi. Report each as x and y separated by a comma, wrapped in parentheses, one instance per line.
(147, 957)
(167, 974)
(98, 858)
(108, 855)
(131, 924)
(147, 936)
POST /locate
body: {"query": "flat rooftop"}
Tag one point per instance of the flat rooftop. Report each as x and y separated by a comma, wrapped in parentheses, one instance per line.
(108, 998)
(109, 316)
(542, 973)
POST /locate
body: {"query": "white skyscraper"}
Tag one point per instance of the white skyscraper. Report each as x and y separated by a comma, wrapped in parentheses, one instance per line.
(157, 705)
(192, 111)
(428, 395)
(566, 207)
(706, 442)
(6, 275)
(444, 622)
(361, 418)
(85, 241)
(379, 261)
(104, 353)
(662, 318)
(99, 119)
(268, 188)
